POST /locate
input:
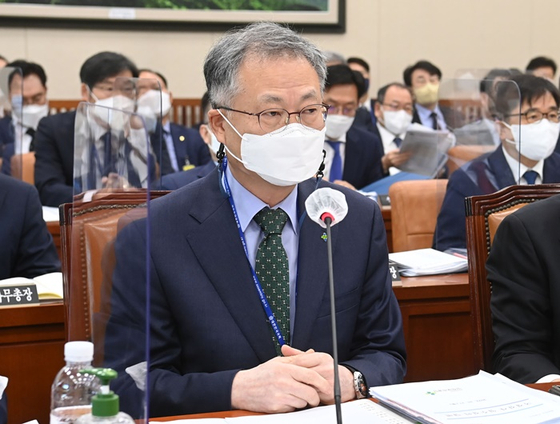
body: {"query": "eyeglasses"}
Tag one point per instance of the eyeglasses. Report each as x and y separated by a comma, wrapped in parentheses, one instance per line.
(342, 110)
(408, 108)
(312, 116)
(533, 116)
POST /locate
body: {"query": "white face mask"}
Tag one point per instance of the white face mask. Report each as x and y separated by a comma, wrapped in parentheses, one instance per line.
(535, 141)
(148, 107)
(31, 115)
(338, 125)
(396, 122)
(284, 157)
(110, 117)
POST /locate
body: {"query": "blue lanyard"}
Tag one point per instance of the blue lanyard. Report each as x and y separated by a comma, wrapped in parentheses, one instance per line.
(262, 296)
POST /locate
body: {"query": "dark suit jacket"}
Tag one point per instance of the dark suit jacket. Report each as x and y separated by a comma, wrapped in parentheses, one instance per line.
(466, 181)
(207, 322)
(362, 158)
(189, 146)
(525, 271)
(180, 179)
(6, 130)
(27, 248)
(7, 153)
(54, 158)
(366, 119)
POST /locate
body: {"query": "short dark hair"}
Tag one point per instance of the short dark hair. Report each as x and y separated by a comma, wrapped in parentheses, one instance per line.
(358, 61)
(541, 62)
(527, 88)
(154, 72)
(383, 90)
(487, 83)
(342, 74)
(421, 64)
(3, 58)
(104, 65)
(204, 108)
(27, 68)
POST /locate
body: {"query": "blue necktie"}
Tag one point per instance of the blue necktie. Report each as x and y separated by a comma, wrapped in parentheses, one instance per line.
(336, 166)
(530, 176)
(398, 142)
(435, 123)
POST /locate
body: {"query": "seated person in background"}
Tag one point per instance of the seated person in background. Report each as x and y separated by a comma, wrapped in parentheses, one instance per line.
(484, 131)
(54, 140)
(3, 61)
(28, 108)
(542, 67)
(180, 179)
(353, 154)
(393, 109)
(182, 147)
(524, 270)
(424, 78)
(212, 347)
(364, 114)
(532, 143)
(27, 248)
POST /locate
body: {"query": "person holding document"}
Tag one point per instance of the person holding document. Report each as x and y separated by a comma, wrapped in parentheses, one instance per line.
(212, 346)
(524, 270)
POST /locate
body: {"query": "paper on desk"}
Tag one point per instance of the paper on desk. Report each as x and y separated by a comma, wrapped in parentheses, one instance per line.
(479, 399)
(50, 214)
(358, 411)
(418, 262)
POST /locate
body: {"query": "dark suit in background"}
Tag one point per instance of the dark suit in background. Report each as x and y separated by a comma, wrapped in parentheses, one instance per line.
(362, 157)
(524, 269)
(207, 322)
(27, 248)
(180, 179)
(486, 174)
(366, 119)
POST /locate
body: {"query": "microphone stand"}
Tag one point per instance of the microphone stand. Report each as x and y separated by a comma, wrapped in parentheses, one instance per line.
(337, 396)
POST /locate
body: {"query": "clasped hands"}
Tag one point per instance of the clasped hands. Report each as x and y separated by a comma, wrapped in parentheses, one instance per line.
(293, 381)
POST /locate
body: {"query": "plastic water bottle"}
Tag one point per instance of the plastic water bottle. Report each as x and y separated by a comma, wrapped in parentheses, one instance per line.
(73, 390)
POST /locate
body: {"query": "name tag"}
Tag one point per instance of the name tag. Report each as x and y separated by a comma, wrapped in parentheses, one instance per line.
(394, 271)
(18, 295)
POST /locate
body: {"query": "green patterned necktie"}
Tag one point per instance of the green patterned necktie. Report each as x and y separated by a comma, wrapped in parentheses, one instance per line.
(271, 266)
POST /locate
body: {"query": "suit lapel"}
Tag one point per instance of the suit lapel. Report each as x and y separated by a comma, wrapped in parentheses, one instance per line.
(501, 169)
(312, 279)
(217, 246)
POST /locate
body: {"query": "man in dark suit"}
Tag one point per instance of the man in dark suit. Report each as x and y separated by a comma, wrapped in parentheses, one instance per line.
(424, 78)
(353, 155)
(27, 248)
(177, 148)
(27, 85)
(528, 141)
(524, 270)
(54, 140)
(212, 345)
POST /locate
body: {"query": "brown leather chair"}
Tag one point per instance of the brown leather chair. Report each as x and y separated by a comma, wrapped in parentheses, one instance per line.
(484, 215)
(23, 167)
(88, 231)
(415, 206)
(459, 155)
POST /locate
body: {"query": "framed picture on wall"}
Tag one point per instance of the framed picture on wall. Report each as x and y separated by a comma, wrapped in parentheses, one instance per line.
(190, 15)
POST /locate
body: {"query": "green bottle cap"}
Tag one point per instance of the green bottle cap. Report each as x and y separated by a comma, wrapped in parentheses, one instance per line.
(105, 403)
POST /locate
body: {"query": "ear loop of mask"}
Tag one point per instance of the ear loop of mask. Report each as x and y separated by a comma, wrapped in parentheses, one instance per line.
(237, 132)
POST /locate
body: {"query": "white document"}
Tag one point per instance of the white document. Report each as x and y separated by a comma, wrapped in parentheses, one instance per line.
(428, 261)
(363, 410)
(479, 399)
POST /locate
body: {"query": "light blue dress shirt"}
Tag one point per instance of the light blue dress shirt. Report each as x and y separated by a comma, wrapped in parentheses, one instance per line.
(247, 205)
(426, 119)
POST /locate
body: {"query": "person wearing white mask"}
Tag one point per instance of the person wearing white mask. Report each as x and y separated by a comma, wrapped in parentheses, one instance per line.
(216, 348)
(529, 124)
(27, 85)
(177, 148)
(180, 179)
(393, 110)
(54, 139)
(353, 157)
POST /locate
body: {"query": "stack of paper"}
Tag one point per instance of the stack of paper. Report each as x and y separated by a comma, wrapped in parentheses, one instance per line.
(413, 263)
(480, 399)
(49, 286)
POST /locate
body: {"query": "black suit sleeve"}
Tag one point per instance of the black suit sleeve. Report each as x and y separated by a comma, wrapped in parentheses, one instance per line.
(522, 313)
(51, 179)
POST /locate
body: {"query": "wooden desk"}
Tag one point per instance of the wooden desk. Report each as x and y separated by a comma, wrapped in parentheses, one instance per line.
(32, 352)
(437, 326)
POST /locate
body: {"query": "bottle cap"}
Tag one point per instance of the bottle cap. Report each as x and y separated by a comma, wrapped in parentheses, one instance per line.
(78, 352)
(105, 403)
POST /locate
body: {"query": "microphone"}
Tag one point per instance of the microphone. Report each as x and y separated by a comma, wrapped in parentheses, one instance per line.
(327, 207)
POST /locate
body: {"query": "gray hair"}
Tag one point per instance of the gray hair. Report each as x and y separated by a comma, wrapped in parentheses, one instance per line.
(334, 58)
(262, 40)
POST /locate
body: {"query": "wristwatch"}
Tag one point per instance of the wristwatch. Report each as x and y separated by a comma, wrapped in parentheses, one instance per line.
(360, 385)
